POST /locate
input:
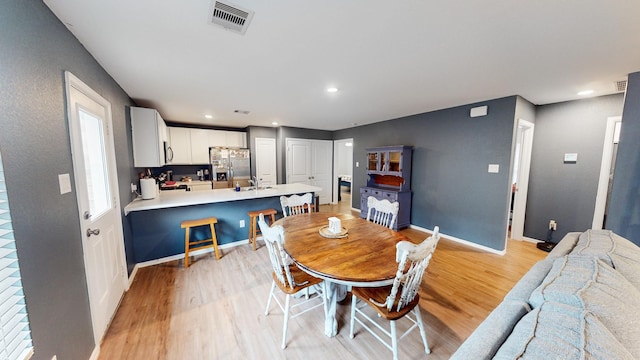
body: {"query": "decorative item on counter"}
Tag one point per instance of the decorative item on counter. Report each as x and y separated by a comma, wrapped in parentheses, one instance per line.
(148, 188)
(237, 186)
(334, 225)
(186, 178)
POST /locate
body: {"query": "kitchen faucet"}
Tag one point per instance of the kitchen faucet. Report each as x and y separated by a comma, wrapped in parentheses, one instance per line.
(254, 182)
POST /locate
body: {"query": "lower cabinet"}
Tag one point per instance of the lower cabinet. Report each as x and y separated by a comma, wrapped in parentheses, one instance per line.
(402, 197)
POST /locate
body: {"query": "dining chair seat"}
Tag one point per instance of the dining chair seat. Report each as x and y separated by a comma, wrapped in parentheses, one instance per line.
(289, 279)
(397, 301)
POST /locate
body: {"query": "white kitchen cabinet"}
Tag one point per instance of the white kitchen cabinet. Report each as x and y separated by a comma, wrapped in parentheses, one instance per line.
(236, 139)
(224, 138)
(148, 133)
(217, 138)
(180, 143)
(199, 146)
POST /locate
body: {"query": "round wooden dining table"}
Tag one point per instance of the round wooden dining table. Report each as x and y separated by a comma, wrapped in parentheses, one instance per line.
(366, 256)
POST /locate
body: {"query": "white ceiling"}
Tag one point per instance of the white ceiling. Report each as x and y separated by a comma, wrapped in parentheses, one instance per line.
(388, 58)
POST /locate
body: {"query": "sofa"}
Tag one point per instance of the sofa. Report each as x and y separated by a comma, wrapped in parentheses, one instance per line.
(581, 302)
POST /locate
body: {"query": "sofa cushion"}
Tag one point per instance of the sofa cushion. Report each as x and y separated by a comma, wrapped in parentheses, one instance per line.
(618, 252)
(522, 290)
(487, 338)
(589, 284)
(565, 245)
(558, 331)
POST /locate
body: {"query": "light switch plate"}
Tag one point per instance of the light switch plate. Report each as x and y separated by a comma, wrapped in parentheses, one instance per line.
(65, 183)
(571, 157)
(494, 168)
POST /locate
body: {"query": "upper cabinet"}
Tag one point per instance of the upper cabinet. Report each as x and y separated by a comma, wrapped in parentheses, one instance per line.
(225, 138)
(200, 146)
(180, 144)
(390, 166)
(148, 133)
(191, 146)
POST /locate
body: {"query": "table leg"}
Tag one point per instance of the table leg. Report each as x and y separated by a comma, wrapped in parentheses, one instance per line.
(334, 293)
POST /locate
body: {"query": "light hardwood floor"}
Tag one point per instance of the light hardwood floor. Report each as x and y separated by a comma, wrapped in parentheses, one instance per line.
(215, 308)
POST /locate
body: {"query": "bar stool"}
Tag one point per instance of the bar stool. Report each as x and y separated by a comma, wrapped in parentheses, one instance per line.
(187, 225)
(254, 230)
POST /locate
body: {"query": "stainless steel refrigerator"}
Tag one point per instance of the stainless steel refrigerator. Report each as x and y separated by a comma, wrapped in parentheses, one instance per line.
(229, 166)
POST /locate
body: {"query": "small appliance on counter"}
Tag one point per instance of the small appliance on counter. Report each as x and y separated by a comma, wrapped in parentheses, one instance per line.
(148, 188)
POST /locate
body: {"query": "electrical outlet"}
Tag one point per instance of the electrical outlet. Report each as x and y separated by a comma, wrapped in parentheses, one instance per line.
(357, 164)
(553, 225)
(134, 187)
(241, 223)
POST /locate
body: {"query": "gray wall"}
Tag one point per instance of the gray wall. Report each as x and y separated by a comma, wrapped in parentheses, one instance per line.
(450, 183)
(35, 49)
(624, 208)
(566, 192)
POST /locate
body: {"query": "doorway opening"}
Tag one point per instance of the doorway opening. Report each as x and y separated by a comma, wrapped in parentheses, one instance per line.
(343, 171)
(520, 179)
(607, 168)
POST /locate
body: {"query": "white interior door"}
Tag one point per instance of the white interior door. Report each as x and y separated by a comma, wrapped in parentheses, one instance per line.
(524, 144)
(266, 170)
(611, 137)
(96, 187)
(322, 168)
(298, 161)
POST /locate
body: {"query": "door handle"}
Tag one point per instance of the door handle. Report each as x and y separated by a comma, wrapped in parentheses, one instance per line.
(93, 232)
(86, 215)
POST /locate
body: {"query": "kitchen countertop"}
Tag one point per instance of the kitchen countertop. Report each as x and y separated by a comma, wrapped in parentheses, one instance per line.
(168, 199)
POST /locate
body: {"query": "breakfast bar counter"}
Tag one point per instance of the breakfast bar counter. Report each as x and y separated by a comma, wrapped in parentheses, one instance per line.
(155, 223)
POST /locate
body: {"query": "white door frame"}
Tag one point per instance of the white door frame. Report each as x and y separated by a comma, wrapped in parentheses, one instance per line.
(605, 167)
(99, 320)
(266, 167)
(522, 187)
(337, 145)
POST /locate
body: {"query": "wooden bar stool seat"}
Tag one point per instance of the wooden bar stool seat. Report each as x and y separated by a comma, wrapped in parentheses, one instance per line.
(187, 225)
(254, 230)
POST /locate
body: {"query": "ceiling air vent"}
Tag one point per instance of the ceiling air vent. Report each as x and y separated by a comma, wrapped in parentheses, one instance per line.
(621, 85)
(230, 17)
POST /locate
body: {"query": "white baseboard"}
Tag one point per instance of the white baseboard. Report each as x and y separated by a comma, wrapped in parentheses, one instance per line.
(532, 240)
(95, 353)
(181, 256)
(462, 241)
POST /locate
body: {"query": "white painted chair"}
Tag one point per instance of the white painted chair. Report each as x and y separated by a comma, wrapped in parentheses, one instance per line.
(396, 301)
(382, 212)
(296, 204)
(289, 278)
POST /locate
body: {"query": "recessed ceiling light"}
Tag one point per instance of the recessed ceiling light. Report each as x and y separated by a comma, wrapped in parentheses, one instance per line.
(332, 89)
(585, 92)
(209, 116)
(274, 123)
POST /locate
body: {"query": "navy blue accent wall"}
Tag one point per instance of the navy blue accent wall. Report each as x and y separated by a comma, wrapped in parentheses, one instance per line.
(35, 50)
(566, 192)
(452, 151)
(157, 233)
(624, 208)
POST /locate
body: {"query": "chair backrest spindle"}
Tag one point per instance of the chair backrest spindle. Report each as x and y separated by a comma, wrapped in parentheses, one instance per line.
(296, 204)
(280, 261)
(382, 212)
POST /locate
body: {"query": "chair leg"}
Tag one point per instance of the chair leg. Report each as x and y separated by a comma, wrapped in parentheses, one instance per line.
(273, 288)
(286, 322)
(394, 340)
(186, 247)
(353, 314)
(416, 311)
(214, 238)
